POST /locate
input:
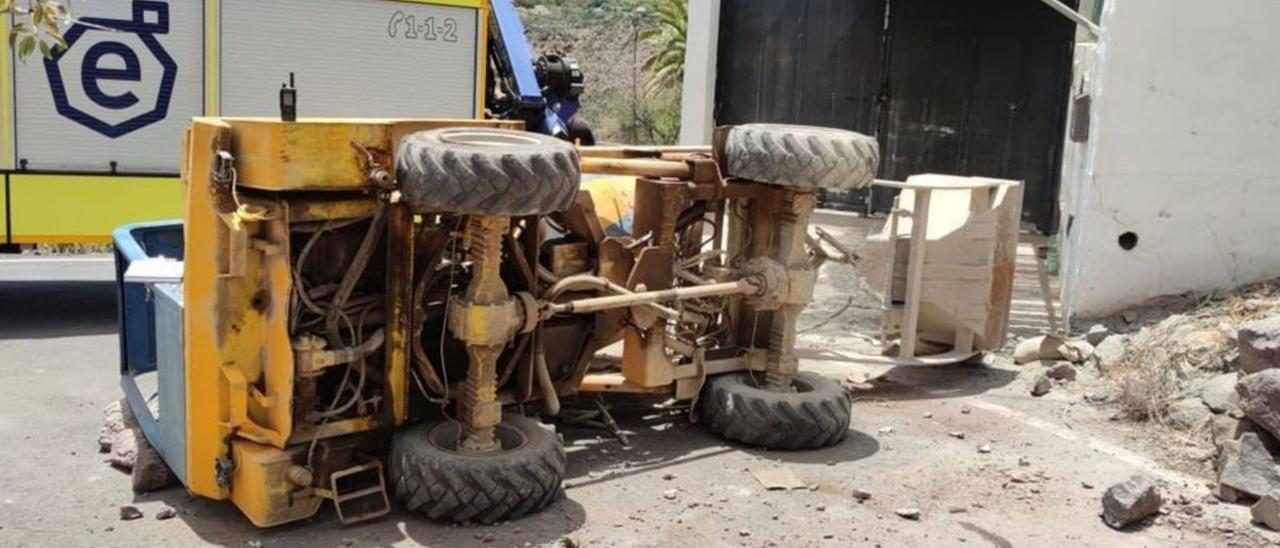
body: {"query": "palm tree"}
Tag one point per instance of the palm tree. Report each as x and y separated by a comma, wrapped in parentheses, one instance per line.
(666, 66)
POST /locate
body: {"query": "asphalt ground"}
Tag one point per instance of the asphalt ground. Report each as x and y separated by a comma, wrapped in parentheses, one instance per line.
(674, 485)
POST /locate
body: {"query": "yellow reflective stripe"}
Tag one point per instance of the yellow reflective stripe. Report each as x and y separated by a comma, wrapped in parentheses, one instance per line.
(459, 3)
(69, 208)
(4, 214)
(6, 95)
(212, 37)
(482, 58)
(61, 239)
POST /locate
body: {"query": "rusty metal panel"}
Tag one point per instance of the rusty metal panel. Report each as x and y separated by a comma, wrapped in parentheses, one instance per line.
(569, 258)
(275, 155)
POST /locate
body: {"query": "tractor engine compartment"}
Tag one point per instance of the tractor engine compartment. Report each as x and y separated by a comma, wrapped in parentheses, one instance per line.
(336, 306)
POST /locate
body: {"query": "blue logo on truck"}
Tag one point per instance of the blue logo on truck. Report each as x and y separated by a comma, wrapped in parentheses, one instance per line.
(108, 59)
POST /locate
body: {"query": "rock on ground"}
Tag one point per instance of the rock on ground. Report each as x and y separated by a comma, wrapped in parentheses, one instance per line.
(1097, 333)
(1187, 414)
(1044, 347)
(911, 513)
(131, 452)
(1200, 346)
(1225, 428)
(1076, 351)
(1061, 371)
(149, 472)
(113, 421)
(124, 448)
(1267, 511)
(1225, 494)
(1260, 399)
(129, 513)
(1042, 385)
(1178, 341)
(1259, 345)
(1219, 393)
(1247, 466)
(1110, 350)
(1130, 501)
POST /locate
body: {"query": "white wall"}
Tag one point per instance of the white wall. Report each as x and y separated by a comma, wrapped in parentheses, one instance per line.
(1075, 159)
(699, 94)
(1184, 152)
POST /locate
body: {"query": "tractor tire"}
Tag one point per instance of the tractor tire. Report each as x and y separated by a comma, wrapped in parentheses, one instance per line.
(434, 479)
(481, 171)
(801, 156)
(815, 415)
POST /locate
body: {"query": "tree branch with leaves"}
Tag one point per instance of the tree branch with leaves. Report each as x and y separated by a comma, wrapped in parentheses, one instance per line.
(38, 25)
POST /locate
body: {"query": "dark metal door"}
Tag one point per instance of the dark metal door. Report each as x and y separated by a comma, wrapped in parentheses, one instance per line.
(967, 88)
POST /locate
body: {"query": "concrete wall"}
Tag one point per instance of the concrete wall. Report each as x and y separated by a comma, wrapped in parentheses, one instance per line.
(697, 108)
(1184, 153)
(1075, 163)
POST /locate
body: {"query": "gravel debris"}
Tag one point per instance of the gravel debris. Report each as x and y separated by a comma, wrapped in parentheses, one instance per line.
(129, 513)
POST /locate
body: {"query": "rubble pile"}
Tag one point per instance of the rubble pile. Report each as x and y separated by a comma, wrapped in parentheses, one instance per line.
(1207, 367)
(1210, 369)
(1245, 437)
(1177, 359)
(1219, 378)
(1156, 371)
(1057, 360)
(127, 449)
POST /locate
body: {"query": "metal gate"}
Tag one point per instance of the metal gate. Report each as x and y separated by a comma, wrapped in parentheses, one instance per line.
(966, 88)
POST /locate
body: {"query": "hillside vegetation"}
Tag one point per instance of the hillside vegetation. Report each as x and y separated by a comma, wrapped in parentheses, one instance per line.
(605, 37)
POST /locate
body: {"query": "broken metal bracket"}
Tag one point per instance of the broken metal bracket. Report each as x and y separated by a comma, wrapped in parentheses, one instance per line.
(1074, 16)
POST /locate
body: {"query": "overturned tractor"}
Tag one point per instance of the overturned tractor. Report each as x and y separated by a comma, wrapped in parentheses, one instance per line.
(364, 299)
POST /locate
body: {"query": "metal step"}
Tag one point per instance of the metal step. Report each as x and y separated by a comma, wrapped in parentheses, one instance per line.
(360, 493)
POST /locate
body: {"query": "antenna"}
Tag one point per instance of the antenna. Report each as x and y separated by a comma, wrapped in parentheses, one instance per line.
(289, 101)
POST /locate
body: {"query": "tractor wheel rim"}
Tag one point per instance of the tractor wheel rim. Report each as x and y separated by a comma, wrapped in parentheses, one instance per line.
(491, 139)
(446, 437)
(756, 380)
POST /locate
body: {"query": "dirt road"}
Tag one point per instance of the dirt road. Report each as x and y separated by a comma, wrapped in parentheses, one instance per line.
(1039, 484)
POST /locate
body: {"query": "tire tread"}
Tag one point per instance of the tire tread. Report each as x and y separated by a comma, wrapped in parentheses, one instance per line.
(437, 176)
(803, 420)
(801, 156)
(482, 490)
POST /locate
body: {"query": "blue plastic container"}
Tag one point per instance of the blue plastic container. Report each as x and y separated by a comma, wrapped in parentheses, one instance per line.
(147, 312)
